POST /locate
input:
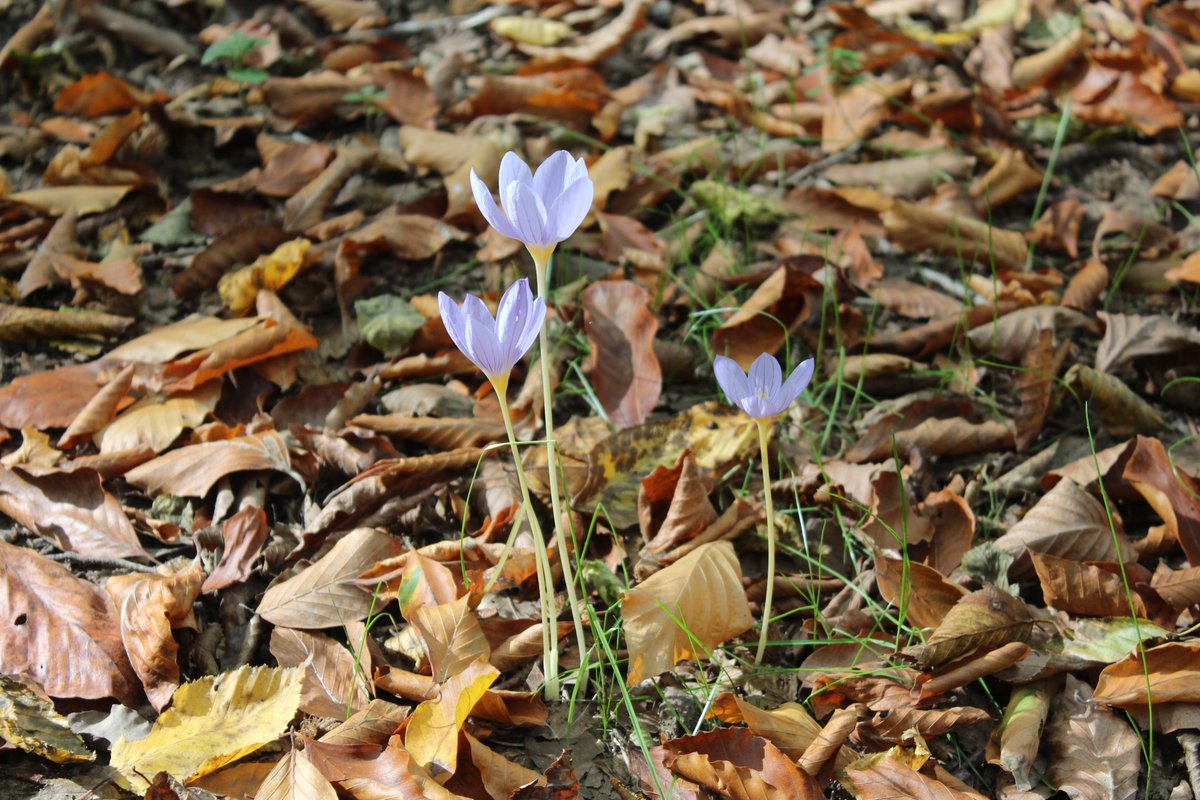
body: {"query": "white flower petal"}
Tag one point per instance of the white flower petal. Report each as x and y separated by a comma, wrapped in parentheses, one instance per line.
(551, 177)
(513, 170)
(487, 206)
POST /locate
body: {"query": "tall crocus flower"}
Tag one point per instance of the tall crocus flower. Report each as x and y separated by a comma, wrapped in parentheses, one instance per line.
(541, 209)
(763, 395)
(495, 345)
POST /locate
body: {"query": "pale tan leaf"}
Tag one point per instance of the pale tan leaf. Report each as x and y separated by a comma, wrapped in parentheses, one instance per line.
(888, 778)
(989, 617)
(1014, 744)
(327, 594)
(703, 590)
(193, 333)
(58, 200)
(452, 637)
(332, 684)
(295, 778)
(1093, 752)
(924, 594)
(191, 471)
(155, 422)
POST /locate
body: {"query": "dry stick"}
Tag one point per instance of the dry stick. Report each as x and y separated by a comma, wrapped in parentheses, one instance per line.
(770, 509)
(541, 259)
(541, 558)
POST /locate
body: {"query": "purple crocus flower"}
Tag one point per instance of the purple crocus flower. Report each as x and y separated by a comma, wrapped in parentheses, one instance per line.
(495, 344)
(540, 209)
(762, 393)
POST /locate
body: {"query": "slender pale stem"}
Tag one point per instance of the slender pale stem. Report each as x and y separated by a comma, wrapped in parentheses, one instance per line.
(541, 260)
(541, 557)
(770, 508)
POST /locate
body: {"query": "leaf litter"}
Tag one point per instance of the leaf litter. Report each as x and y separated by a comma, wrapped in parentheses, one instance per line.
(252, 493)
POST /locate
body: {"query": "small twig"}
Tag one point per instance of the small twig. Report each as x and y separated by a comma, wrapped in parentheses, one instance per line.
(100, 561)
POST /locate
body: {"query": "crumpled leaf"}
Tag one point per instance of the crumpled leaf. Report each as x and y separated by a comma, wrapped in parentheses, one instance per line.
(331, 674)
(1014, 744)
(272, 271)
(191, 471)
(738, 765)
(704, 591)
(294, 778)
(452, 637)
(888, 779)
(388, 323)
(212, 722)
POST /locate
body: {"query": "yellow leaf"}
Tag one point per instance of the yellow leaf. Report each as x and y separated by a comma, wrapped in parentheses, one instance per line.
(533, 30)
(698, 599)
(28, 721)
(212, 722)
(432, 734)
(271, 271)
(58, 200)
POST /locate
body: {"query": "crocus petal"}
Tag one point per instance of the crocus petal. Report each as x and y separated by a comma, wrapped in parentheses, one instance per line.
(533, 326)
(528, 215)
(551, 177)
(765, 376)
(731, 379)
(485, 347)
(487, 206)
(456, 325)
(512, 318)
(570, 209)
(759, 407)
(796, 382)
(513, 170)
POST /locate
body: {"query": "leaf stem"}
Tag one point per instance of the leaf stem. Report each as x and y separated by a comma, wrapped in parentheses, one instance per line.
(769, 502)
(541, 260)
(541, 557)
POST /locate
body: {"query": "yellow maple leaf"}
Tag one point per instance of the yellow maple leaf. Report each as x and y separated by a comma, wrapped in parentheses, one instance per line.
(212, 722)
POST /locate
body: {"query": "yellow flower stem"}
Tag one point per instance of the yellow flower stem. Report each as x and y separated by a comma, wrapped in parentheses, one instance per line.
(541, 557)
(770, 508)
(541, 260)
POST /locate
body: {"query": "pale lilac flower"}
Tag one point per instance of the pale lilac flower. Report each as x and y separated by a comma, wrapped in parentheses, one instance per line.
(762, 393)
(540, 209)
(495, 344)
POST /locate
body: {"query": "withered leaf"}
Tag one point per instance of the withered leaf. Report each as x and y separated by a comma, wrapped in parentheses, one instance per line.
(988, 617)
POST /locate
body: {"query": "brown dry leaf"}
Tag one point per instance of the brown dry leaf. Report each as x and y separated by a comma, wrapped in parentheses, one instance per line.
(1014, 744)
(738, 765)
(433, 727)
(1011, 336)
(1170, 675)
(51, 399)
(36, 455)
(923, 228)
(1086, 286)
(1069, 523)
(421, 581)
(703, 590)
(69, 509)
(952, 436)
(101, 94)
(742, 29)
(1129, 339)
(922, 591)
(191, 471)
(1180, 588)
(150, 606)
(853, 114)
(499, 776)
(1085, 589)
(1171, 492)
(1038, 68)
(295, 778)
(896, 727)
(441, 433)
(1122, 412)
(787, 296)
(452, 636)
(344, 15)
(1093, 752)
(307, 207)
(887, 778)
(624, 369)
(244, 535)
(673, 505)
(1058, 229)
(1035, 388)
(155, 422)
(61, 631)
(333, 685)
(82, 200)
(22, 324)
(326, 594)
(913, 300)
(986, 618)
(789, 726)
(910, 177)
(597, 45)
(1010, 176)
(820, 757)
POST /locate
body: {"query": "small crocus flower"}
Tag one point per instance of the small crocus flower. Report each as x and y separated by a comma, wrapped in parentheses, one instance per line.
(762, 393)
(495, 344)
(539, 209)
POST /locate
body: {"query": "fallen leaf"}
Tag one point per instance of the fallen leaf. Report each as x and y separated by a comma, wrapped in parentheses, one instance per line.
(294, 778)
(272, 271)
(624, 369)
(452, 637)
(156, 422)
(922, 592)
(922, 228)
(1014, 744)
(1168, 675)
(62, 631)
(332, 679)
(433, 727)
(1171, 492)
(762, 323)
(988, 617)
(1086, 589)
(888, 778)
(739, 765)
(81, 200)
(212, 722)
(22, 324)
(192, 471)
(28, 721)
(703, 592)
(1094, 753)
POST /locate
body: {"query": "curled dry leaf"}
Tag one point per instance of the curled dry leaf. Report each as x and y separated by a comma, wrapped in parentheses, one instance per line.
(1011, 336)
(1170, 674)
(989, 617)
(924, 228)
(1086, 589)
(327, 593)
(739, 765)
(1086, 285)
(212, 722)
(924, 594)
(69, 509)
(155, 422)
(973, 669)
(62, 631)
(787, 296)
(432, 733)
(244, 535)
(1093, 752)
(452, 636)
(442, 433)
(913, 300)
(1069, 523)
(1035, 387)
(598, 44)
(896, 727)
(191, 471)
(150, 606)
(21, 324)
(1014, 744)
(294, 777)
(1122, 412)
(1129, 340)
(625, 371)
(888, 778)
(673, 505)
(703, 590)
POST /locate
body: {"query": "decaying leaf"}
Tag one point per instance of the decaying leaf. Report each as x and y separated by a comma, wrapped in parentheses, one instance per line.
(699, 596)
(1094, 752)
(432, 734)
(1014, 744)
(988, 617)
(28, 721)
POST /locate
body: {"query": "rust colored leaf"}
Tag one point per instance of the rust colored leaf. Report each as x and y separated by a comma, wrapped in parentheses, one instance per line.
(69, 509)
(1084, 589)
(789, 727)
(62, 631)
(1086, 286)
(988, 617)
(150, 606)
(673, 505)
(738, 765)
(787, 296)
(1093, 752)
(98, 95)
(896, 727)
(244, 535)
(888, 779)
(1170, 491)
(1171, 674)
(922, 591)
(625, 371)
(191, 471)
(1058, 229)
(1035, 388)
(332, 683)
